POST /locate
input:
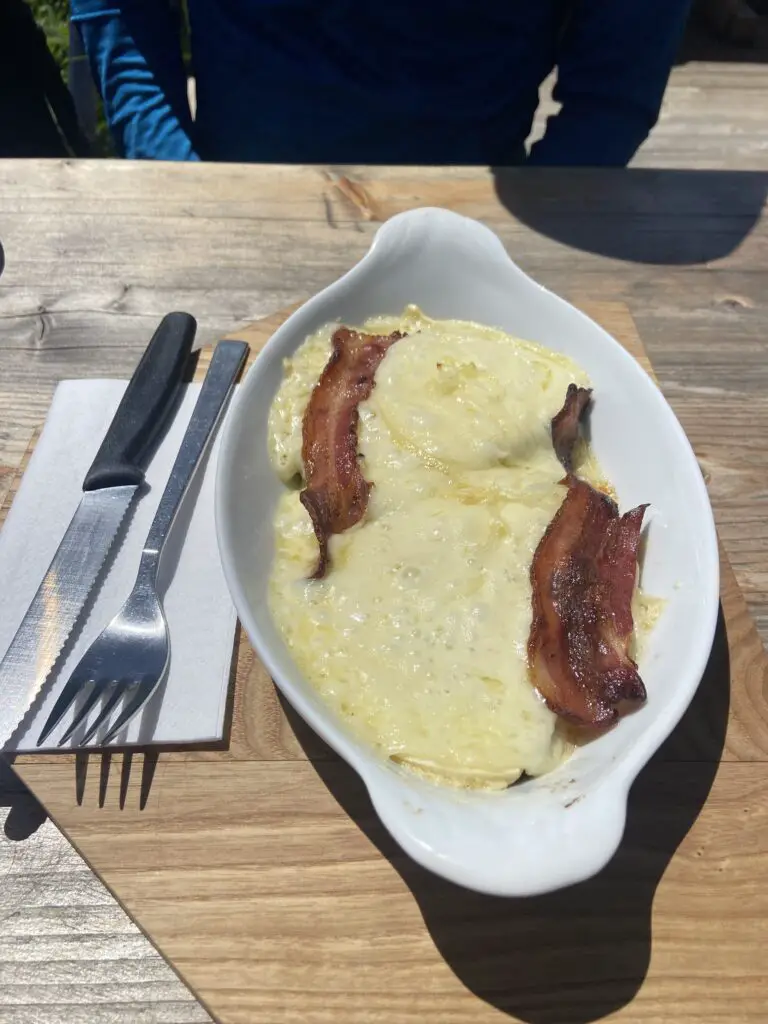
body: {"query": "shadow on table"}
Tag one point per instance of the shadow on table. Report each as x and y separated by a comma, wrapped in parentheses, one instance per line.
(573, 956)
(25, 813)
(137, 764)
(641, 215)
(84, 759)
(2, 259)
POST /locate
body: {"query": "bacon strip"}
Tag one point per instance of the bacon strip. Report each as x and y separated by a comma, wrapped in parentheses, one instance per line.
(582, 578)
(565, 426)
(336, 493)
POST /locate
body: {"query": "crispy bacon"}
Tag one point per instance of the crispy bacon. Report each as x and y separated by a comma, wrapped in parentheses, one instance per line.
(336, 493)
(565, 425)
(583, 577)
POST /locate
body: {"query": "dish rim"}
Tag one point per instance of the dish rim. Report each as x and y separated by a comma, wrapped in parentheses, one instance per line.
(615, 784)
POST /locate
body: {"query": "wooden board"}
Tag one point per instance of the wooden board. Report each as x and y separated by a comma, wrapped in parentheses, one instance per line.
(685, 249)
(263, 875)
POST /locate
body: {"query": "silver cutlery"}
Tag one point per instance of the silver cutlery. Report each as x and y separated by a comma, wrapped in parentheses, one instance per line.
(130, 657)
(109, 489)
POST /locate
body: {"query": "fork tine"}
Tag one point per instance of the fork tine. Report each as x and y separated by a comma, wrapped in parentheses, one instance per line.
(120, 688)
(145, 689)
(82, 714)
(67, 695)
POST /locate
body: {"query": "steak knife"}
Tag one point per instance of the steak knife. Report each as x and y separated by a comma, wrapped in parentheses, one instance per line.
(109, 489)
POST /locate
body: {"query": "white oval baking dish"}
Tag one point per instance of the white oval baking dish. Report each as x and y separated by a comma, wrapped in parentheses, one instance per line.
(563, 827)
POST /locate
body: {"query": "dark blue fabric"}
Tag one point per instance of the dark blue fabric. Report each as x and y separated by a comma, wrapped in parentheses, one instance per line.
(395, 81)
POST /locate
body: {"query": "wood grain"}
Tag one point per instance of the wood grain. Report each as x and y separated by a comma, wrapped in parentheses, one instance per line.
(685, 250)
(96, 253)
(288, 902)
(308, 910)
(69, 954)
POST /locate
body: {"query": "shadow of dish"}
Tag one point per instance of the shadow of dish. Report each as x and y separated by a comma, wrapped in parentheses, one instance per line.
(577, 955)
(666, 217)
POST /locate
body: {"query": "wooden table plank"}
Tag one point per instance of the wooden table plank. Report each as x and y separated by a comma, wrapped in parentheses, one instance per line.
(713, 114)
(69, 954)
(288, 851)
(340, 930)
(733, 689)
(246, 241)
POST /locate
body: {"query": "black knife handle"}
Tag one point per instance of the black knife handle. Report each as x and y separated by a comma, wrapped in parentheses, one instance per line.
(145, 406)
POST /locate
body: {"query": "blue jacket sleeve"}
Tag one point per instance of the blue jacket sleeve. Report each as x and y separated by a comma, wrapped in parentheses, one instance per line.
(613, 62)
(134, 50)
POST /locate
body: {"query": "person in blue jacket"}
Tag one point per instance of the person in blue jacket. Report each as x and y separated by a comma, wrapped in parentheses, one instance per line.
(395, 81)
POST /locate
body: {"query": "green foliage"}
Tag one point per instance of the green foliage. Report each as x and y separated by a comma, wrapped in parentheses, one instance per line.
(51, 16)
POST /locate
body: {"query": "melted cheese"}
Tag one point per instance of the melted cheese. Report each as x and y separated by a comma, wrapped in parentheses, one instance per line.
(417, 636)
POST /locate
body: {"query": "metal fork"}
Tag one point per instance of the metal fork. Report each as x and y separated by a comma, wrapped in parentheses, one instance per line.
(132, 654)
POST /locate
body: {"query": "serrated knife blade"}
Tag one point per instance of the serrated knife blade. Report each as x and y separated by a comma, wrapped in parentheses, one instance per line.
(109, 489)
(59, 601)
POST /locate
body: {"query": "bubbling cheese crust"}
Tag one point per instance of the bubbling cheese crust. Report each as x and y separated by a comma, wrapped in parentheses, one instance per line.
(417, 636)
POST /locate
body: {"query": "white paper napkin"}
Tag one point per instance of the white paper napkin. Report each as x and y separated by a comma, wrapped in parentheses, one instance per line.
(190, 707)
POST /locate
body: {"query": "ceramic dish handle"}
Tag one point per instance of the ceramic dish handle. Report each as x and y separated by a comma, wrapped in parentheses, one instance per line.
(423, 228)
(563, 827)
(502, 846)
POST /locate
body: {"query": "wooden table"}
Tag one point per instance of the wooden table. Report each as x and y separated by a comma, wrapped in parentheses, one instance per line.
(96, 253)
